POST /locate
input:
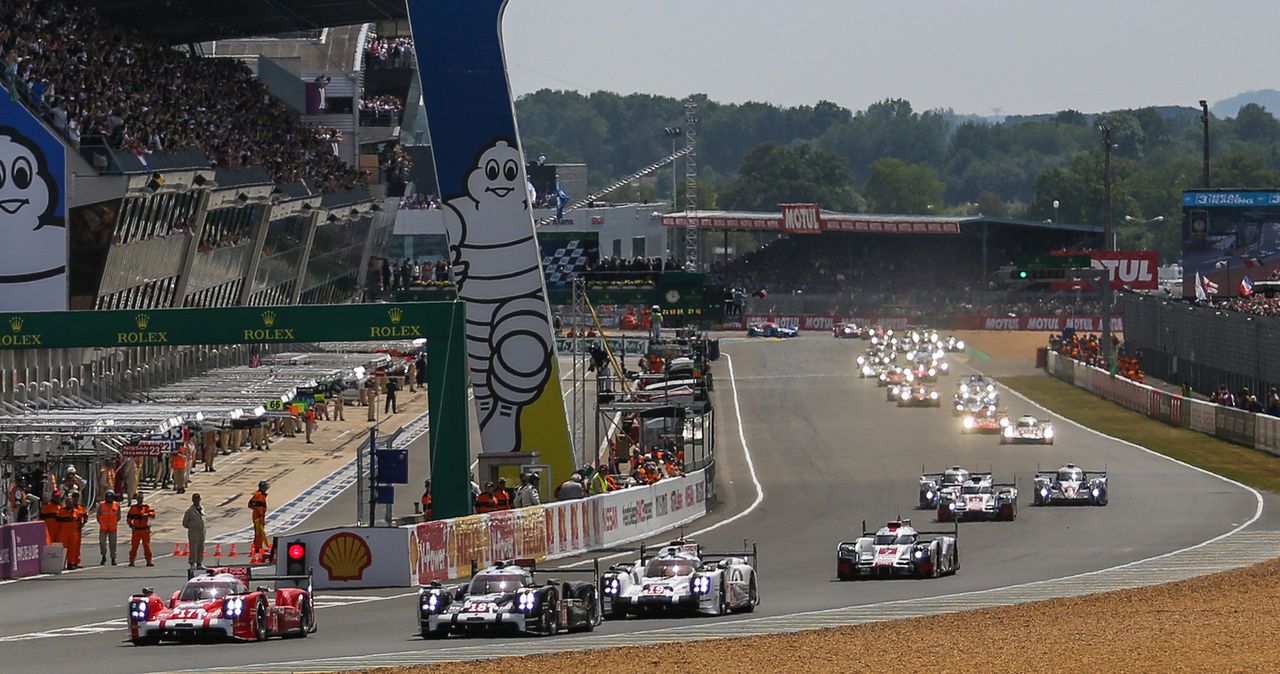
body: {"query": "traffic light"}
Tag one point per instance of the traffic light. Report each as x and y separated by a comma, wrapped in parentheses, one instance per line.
(1038, 274)
(296, 559)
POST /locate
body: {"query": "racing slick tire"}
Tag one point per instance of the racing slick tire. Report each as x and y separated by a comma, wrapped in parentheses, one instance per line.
(724, 608)
(549, 624)
(1008, 513)
(588, 594)
(945, 514)
(428, 634)
(753, 596)
(307, 615)
(260, 623)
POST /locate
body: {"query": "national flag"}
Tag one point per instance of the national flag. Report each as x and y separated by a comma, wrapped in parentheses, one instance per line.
(1210, 287)
(1201, 296)
(1246, 286)
(761, 293)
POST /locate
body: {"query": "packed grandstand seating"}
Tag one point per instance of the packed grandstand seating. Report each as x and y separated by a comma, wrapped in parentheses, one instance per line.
(92, 79)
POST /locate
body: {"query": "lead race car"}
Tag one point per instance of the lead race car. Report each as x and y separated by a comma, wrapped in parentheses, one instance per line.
(223, 603)
(682, 576)
(898, 549)
(771, 329)
(1071, 484)
(980, 498)
(1027, 430)
(506, 597)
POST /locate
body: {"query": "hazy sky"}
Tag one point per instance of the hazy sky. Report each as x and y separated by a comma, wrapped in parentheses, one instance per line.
(976, 56)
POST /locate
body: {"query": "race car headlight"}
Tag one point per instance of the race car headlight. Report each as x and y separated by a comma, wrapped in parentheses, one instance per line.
(884, 377)
(613, 586)
(233, 608)
(906, 395)
(875, 340)
(968, 422)
(944, 367)
(951, 505)
(933, 371)
(1096, 492)
(1048, 433)
(910, 377)
(1008, 431)
(700, 585)
(919, 554)
(138, 611)
(928, 494)
(933, 395)
(862, 361)
(430, 602)
(960, 345)
(1044, 492)
(1004, 423)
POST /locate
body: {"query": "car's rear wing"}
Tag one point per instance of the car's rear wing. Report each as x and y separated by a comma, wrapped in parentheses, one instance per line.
(245, 571)
(752, 553)
(954, 532)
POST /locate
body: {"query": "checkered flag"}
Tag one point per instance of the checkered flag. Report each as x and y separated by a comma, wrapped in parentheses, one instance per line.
(561, 265)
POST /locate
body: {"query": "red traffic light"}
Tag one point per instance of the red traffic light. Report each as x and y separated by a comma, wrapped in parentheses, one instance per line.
(297, 551)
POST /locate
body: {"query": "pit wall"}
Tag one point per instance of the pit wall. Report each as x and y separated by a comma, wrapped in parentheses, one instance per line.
(1259, 431)
(356, 557)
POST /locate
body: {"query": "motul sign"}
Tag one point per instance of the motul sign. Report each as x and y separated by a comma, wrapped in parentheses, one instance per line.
(1133, 269)
(800, 218)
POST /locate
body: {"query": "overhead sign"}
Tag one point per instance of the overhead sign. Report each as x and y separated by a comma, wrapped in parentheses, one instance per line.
(147, 448)
(809, 219)
(1230, 199)
(1132, 269)
(801, 219)
(33, 189)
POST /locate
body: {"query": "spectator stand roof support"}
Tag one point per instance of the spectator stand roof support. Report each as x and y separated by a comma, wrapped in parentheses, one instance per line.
(193, 22)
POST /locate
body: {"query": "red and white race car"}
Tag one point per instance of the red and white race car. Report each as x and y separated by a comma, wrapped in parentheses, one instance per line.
(986, 419)
(222, 603)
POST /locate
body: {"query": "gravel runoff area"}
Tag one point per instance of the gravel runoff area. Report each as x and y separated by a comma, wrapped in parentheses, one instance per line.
(1219, 623)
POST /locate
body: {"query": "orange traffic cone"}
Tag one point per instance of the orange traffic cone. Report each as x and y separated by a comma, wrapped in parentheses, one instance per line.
(232, 553)
(177, 550)
(217, 550)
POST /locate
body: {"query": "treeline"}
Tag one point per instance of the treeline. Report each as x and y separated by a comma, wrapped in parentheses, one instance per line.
(892, 158)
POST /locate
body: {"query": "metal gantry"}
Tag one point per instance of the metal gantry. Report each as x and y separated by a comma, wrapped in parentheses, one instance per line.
(692, 240)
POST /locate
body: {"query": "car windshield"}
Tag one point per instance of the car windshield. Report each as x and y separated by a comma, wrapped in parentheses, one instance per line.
(496, 584)
(895, 539)
(668, 568)
(1070, 475)
(1026, 423)
(972, 488)
(208, 590)
(955, 477)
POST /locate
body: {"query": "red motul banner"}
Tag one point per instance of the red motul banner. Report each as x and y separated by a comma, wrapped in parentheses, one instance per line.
(825, 322)
(1133, 269)
(801, 219)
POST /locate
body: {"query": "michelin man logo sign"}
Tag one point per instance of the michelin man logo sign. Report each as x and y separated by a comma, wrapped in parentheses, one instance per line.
(496, 261)
(33, 256)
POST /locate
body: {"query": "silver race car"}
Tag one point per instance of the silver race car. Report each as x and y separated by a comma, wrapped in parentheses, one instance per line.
(682, 577)
(1071, 485)
(934, 485)
(898, 549)
(981, 498)
(506, 598)
(1027, 430)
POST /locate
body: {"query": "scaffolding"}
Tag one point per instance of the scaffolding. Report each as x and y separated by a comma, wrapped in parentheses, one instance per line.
(692, 238)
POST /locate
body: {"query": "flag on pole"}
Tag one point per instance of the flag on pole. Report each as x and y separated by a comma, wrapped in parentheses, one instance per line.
(1210, 287)
(1246, 286)
(1200, 294)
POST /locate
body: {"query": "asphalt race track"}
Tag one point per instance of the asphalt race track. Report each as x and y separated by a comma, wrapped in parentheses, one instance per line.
(828, 452)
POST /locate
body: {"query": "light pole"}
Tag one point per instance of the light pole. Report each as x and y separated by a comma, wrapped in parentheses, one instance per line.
(1056, 204)
(673, 132)
(1148, 221)
(1108, 225)
(1204, 120)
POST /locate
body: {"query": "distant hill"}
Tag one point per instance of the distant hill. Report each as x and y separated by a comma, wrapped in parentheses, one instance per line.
(1267, 98)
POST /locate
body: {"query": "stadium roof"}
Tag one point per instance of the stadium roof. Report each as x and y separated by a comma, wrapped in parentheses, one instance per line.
(830, 221)
(183, 21)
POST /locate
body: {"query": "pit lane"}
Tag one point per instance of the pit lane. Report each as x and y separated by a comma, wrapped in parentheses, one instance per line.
(829, 452)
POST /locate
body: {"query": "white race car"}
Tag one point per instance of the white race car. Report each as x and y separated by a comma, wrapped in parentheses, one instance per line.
(981, 498)
(898, 549)
(682, 577)
(933, 486)
(1071, 485)
(1027, 430)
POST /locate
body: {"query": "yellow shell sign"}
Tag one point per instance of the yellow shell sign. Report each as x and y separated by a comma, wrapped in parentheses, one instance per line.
(345, 556)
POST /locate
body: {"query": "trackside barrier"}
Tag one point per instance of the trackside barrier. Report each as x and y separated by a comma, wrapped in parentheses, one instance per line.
(445, 549)
(21, 549)
(1259, 431)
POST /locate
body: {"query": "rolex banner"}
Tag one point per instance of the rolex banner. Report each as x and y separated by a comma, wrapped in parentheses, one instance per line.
(489, 225)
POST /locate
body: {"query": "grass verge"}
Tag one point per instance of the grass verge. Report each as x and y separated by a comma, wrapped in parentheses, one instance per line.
(1250, 466)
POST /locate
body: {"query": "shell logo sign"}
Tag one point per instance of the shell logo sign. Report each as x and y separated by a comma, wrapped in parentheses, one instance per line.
(345, 556)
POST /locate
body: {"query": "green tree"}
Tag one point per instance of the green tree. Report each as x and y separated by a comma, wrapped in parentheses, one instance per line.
(772, 174)
(896, 186)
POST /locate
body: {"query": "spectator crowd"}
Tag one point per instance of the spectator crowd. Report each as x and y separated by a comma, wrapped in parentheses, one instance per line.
(388, 52)
(95, 80)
